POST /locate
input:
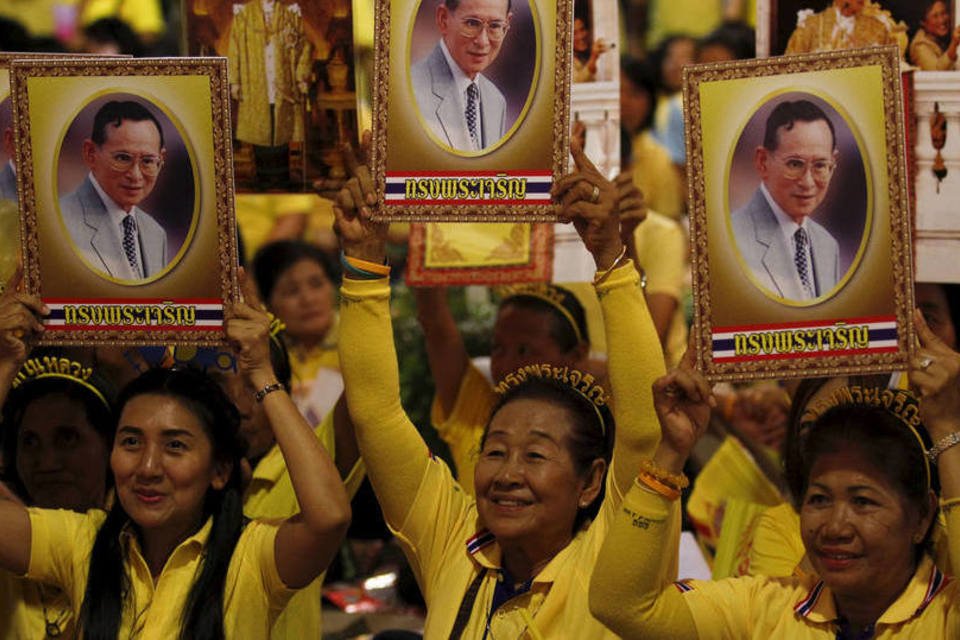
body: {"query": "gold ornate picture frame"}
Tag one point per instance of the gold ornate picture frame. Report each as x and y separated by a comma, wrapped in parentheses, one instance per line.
(166, 272)
(430, 164)
(9, 213)
(448, 253)
(759, 135)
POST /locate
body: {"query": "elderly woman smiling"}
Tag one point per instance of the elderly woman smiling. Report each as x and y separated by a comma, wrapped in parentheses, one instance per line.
(864, 487)
(516, 561)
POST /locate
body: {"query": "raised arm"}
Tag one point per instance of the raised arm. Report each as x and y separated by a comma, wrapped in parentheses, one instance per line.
(631, 590)
(19, 328)
(446, 353)
(935, 377)
(394, 453)
(308, 541)
(635, 358)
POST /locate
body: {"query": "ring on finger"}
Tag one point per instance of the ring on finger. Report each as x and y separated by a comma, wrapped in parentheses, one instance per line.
(925, 362)
(595, 196)
(17, 333)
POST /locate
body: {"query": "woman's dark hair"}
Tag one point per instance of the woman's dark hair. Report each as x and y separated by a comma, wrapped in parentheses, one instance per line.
(96, 411)
(561, 332)
(925, 8)
(659, 55)
(589, 439)
(644, 77)
(883, 440)
(108, 584)
(272, 261)
(115, 31)
(735, 36)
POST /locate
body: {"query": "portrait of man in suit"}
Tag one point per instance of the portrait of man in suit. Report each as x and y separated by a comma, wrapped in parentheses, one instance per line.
(123, 155)
(788, 252)
(462, 107)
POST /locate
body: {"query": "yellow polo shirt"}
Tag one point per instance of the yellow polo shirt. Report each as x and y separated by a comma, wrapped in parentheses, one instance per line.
(635, 571)
(447, 546)
(437, 523)
(25, 611)
(254, 594)
(271, 495)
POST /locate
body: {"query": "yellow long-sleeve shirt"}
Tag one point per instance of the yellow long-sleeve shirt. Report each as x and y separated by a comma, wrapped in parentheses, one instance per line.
(438, 524)
(633, 593)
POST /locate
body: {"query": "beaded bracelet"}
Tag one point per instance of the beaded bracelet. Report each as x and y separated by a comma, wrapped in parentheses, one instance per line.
(947, 441)
(267, 390)
(677, 481)
(650, 482)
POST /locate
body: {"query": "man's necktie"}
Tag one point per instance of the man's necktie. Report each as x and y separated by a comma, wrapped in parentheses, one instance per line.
(130, 242)
(800, 259)
(473, 97)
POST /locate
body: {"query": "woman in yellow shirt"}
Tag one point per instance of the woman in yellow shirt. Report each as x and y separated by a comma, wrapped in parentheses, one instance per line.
(867, 508)
(298, 282)
(173, 557)
(57, 426)
(515, 562)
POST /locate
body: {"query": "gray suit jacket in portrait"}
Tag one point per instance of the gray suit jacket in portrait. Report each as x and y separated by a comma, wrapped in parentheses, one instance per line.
(436, 94)
(765, 250)
(8, 183)
(98, 239)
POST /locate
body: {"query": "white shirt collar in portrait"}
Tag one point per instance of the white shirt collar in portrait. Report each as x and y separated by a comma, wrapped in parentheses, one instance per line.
(788, 228)
(845, 24)
(462, 81)
(117, 214)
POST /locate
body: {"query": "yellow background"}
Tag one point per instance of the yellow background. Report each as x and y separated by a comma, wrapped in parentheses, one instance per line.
(409, 146)
(53, 104)
(725, 108)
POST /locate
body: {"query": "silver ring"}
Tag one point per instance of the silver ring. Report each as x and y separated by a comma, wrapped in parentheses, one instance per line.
(925, 362)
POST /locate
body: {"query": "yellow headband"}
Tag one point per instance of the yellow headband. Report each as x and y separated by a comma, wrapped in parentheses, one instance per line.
(583, 383)
(62, 368)
(556, 297)
(902, 404)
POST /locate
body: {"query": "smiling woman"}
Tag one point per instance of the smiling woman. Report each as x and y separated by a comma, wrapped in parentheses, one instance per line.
(863, 477)
(173, 557)
(514, 562)
(57, 427)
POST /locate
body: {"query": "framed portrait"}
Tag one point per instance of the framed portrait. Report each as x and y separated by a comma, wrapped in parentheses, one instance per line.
(9, 211)
(800, 219)
(292, 86)
(491, 151)
(920, 29)
(487, 253)
(126, 184)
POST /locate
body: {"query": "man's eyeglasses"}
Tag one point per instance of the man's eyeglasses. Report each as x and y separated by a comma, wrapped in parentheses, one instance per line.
(473, 27)
(796, 168)
(121, 161)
